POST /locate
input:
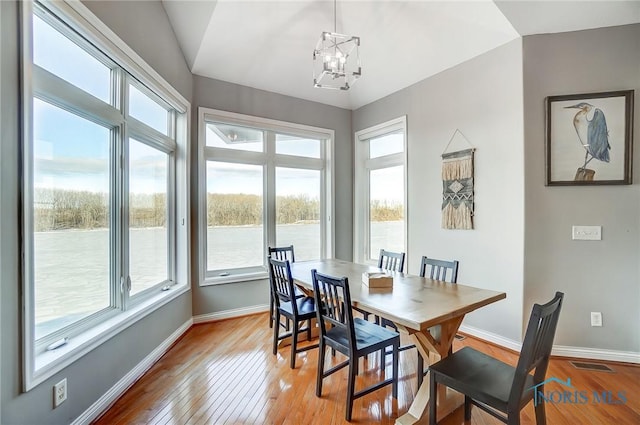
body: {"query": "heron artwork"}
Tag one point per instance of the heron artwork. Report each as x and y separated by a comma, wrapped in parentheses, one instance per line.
(591, 127)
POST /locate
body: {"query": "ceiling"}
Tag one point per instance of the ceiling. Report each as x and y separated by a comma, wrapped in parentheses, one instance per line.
(268, 44)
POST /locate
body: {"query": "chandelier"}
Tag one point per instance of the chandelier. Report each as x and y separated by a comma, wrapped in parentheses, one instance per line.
(336, 59)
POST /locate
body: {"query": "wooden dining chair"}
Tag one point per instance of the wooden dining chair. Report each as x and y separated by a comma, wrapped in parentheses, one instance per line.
(438, 270)
(393, 261)
(353, 337)
(496, 387)
(296, 309)
(281, 253)
(387, 260)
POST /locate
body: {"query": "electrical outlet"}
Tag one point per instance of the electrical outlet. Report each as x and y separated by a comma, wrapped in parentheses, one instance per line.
(59, 393)
(596, 318)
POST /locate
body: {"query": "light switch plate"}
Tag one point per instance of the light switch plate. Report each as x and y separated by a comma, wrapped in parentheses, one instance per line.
(586, 233)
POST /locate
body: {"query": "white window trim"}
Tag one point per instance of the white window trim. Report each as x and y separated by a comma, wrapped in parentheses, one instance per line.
(37, 367)
(327, 190)
(361, 191)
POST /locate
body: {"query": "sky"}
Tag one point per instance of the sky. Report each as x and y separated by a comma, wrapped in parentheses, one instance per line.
(73, 153)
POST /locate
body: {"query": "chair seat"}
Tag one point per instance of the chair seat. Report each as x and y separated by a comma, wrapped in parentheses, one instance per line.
(306, 308)
(367, 334)
(480, 376)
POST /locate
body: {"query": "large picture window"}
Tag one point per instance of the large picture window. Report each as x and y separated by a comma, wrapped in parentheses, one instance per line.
(265, 183)
(380, 218)
(104, 152)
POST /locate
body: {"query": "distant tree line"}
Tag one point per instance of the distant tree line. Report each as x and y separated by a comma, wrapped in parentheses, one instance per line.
(57, 209)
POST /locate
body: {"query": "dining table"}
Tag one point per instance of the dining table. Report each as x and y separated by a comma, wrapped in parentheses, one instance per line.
(427, 310)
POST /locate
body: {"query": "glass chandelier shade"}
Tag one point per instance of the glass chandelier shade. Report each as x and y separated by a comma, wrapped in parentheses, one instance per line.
(336, 61)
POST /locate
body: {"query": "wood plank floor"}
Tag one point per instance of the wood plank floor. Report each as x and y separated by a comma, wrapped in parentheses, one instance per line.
(225, 373)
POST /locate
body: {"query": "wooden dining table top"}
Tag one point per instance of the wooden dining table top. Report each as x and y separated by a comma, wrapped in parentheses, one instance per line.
(415, 302)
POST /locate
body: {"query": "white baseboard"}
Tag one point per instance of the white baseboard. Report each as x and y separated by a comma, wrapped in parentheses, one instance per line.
(228, 314)
(558, 350)
(491, 337)
(110, 397)
(596, 354)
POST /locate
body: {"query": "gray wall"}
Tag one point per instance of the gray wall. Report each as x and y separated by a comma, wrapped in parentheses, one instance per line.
(245, 100)
(144, 26)
(595, 276)
(483, 99)
(91, 376)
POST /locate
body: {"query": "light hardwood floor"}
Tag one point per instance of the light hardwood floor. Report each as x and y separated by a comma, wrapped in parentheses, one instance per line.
(225, 373)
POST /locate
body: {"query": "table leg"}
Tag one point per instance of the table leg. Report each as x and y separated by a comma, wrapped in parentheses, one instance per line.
(433, 350)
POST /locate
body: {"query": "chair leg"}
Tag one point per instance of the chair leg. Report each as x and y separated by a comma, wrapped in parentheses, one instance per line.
(467, 408)
(513, 418)
(396, 358)
(270, 310)
(382, 358)
(276, 332)
(541, 418)
(320, 368)
(294, 343)
(309, 330)
(351, 386)
(420, 371)
(433, 402)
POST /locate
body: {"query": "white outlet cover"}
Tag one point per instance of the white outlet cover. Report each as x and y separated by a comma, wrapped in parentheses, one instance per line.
(60, 393)
(586, 233)
(596, 318)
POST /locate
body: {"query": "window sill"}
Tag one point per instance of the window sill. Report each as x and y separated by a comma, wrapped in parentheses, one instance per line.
(234, 278)
(51, 362)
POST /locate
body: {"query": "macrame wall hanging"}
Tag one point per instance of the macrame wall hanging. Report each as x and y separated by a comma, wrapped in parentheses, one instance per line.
(457, 186)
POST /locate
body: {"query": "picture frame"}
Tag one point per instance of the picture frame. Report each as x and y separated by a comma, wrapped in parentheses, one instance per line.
(589, 138)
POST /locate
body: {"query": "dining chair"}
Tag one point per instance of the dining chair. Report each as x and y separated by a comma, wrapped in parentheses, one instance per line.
(281, 253)
(496, 387)
(393, 261)
(387, 260)
(296, 309)
(438, 270)
(353, 337)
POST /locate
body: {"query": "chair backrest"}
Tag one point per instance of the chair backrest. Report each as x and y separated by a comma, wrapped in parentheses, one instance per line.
(282, 253)
(537, 344)
(393, 261)
(439, 269)
(281, 282)
(333, 294)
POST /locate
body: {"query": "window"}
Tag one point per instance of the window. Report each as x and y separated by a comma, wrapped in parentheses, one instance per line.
(104, 155)
(265, 183)
(380, 220)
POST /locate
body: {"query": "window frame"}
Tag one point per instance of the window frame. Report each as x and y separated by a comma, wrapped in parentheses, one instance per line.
(83, 28)
(363, 165)
(270, 161)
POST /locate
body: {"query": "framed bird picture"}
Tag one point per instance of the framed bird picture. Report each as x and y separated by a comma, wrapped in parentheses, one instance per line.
(589, 138)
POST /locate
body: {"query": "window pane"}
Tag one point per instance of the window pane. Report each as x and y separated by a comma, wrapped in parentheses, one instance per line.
(298, 211)
(148, 237)
(386, 145)
(386, 210)
(147, 110)
(299, 146)
(234, 216)
(234, 137)
(71, 217)
(62, 57)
